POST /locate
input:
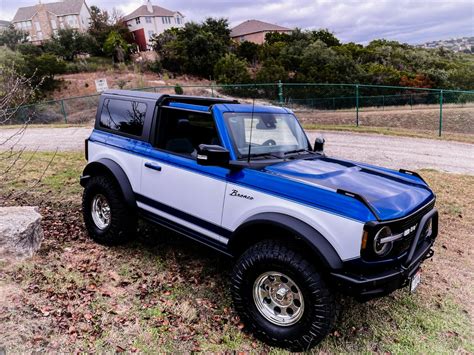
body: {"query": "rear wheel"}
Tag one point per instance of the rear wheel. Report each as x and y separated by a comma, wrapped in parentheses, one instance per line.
(281, 297)
(107, 217)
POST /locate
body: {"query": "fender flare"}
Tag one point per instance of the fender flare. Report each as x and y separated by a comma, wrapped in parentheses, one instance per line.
(308, 235)
(114, 169)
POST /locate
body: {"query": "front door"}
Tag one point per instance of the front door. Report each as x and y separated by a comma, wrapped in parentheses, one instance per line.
(173, 185)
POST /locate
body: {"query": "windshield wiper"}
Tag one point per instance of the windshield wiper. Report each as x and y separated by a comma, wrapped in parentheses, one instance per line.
(266, 154)
(299, 151)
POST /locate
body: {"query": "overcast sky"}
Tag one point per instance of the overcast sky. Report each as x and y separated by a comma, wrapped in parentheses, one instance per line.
(411, 21)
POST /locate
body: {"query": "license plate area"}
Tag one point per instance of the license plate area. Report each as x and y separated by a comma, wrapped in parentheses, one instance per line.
(415, 281)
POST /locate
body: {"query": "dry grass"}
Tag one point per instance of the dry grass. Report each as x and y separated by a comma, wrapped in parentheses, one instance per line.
(456, 119)
(165, 293)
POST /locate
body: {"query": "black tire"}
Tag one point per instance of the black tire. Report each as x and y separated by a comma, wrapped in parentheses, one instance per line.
(319, 312)
(123, 221)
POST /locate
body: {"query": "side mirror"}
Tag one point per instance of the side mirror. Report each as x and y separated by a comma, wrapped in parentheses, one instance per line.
(213, 155)
(319, 145)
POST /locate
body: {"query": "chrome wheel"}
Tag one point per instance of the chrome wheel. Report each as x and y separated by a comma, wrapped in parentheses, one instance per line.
(100, 211)
(278, 298)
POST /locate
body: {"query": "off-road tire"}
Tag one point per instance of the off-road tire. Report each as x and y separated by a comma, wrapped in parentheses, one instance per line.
(123, 224)
(319, 313)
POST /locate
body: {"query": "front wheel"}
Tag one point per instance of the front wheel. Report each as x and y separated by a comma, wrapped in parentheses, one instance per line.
(107, 217)
(281, 297)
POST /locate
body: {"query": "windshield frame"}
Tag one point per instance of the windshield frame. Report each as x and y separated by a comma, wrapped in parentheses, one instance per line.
(271, 155)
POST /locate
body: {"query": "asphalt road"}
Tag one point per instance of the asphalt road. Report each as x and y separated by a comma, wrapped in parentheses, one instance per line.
(388, 151)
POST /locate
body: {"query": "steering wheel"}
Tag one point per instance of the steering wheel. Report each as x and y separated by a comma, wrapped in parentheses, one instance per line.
(269, 142)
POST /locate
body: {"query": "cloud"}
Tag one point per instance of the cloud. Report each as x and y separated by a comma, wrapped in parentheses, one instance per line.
(411, 21)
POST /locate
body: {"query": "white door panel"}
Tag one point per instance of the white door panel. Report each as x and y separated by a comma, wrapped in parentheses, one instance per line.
(191, 192)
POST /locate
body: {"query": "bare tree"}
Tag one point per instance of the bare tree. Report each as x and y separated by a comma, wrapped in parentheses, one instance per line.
(15, 91)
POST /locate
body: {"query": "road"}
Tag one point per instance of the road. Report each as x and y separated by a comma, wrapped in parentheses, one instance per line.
(388, 151)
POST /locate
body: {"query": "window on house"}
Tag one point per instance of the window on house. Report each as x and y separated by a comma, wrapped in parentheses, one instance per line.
(166, 20)
(148, 19)
(24, 25)
(37, 26)
(137, 20)
(123, 116)
(72, 20)
(151, 33)
(53, 24)
(40, 35)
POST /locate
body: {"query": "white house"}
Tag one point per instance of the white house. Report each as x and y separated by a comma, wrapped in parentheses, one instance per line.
(149, 20)
(43, 20)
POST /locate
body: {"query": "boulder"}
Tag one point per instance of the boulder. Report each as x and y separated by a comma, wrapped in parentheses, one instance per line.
(20, 231)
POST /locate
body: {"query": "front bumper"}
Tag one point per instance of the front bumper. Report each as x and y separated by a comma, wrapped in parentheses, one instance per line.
(365, 283)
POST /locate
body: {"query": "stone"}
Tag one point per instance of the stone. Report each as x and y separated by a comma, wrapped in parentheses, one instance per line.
(20, 231)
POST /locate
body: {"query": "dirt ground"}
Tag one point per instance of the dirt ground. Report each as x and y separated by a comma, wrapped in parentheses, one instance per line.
(456, 119)
(80, 84)
(163, 293)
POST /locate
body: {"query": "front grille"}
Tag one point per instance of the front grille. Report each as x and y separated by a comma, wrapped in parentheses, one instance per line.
(401, 225)
(408, 222)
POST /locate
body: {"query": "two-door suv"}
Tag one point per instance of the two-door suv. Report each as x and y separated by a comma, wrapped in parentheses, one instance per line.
(244, 180)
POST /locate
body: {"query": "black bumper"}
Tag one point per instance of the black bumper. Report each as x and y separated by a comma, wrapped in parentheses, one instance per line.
(368, 284)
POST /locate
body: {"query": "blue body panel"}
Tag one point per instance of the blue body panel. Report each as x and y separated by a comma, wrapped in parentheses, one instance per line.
(311, 182)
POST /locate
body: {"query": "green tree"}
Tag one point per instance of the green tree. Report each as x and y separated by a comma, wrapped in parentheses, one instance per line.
(231, 70)
(28, 49)
(68, 43)
(195, 48)
(271, 72)
(43, 70)
(101, 24)
(116, 47)
(325, 36)
(248, 51)
(12, 37)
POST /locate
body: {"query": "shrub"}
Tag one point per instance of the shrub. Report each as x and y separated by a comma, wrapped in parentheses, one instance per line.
(178, 89)
(231, 70)
(155, 66)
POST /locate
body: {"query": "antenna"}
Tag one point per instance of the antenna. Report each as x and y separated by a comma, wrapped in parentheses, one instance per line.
(251, 124)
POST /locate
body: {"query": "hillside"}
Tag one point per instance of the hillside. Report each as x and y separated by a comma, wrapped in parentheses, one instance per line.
(463, 44)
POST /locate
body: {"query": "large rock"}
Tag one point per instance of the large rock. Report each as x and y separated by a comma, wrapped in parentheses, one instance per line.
(20, 231)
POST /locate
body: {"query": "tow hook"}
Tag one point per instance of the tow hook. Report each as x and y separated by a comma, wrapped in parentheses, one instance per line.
(429, 254)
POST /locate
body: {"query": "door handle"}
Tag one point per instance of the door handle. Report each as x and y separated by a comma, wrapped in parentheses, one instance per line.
(153, 166)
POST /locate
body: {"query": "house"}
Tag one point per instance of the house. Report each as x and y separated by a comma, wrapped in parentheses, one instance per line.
(149, 20)
(4, 25)
(41, 21)
(255, 31)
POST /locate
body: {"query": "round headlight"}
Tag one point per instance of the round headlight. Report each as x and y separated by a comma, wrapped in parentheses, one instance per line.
(382, 249)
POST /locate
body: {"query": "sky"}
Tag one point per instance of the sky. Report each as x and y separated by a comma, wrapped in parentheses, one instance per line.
(409, 21)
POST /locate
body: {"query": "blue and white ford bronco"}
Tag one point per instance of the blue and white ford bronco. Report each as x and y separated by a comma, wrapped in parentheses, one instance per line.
(244, 180)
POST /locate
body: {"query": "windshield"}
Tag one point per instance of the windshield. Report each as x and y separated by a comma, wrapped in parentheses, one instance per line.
(263, 134)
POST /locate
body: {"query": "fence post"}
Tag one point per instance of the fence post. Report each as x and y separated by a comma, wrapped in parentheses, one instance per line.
(63, 109)
(280, 92)
(411, 101)
(357, 105)
(212, 89)
(383, 102)
(440, 112)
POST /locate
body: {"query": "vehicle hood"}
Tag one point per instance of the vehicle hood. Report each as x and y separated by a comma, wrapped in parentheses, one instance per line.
(390, 194)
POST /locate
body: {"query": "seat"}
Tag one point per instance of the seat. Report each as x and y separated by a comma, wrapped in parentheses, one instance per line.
(180, 145)
(181, 142)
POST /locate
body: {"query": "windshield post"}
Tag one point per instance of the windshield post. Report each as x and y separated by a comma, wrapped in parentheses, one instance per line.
(251, 129)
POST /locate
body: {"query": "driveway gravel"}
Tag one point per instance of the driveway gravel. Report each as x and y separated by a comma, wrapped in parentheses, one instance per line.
(388, 151)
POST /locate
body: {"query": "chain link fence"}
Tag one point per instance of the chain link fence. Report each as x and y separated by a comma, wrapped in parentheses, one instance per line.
(333, 105)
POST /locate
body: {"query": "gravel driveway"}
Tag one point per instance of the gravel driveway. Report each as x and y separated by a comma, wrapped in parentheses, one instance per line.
(388, 151)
